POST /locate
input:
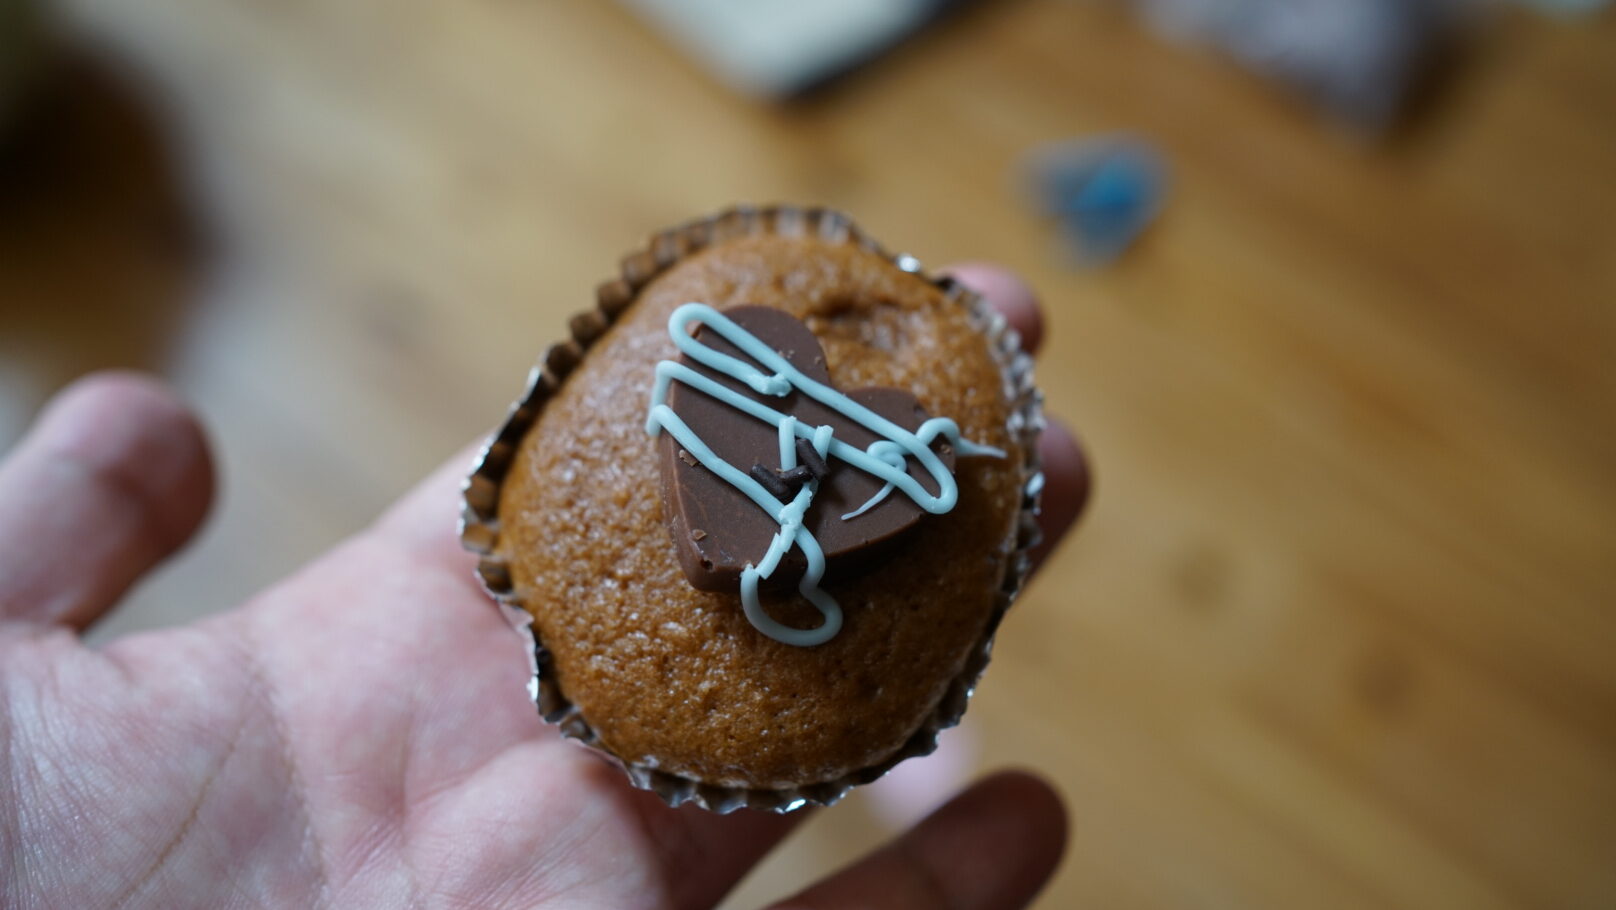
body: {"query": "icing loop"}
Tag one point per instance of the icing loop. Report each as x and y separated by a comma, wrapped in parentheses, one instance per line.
(886, 459)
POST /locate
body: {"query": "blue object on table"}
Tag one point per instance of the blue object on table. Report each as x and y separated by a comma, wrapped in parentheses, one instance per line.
(1104, 191)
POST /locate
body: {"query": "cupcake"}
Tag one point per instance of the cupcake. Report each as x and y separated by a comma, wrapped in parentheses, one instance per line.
(764, 509)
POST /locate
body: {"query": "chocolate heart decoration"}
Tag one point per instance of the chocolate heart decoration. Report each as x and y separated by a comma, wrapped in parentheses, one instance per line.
(717, 530)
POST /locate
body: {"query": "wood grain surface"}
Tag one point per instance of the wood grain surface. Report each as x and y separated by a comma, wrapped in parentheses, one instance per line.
(1340, 628)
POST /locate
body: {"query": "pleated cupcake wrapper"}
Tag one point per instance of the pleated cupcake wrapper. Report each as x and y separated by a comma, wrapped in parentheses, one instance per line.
(479, 524)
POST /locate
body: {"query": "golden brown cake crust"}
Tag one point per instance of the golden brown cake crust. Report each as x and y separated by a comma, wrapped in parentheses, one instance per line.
(676, 678)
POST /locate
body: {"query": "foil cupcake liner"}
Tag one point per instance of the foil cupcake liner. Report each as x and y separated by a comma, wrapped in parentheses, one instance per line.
(479, 522)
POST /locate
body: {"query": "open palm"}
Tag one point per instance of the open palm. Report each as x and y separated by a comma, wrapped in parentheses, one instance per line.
(358, 735)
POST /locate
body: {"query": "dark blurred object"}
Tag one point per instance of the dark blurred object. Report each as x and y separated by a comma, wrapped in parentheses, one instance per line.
(21, 50)
(98, 240)
(780, 48)
(1105, 191)
(1360, 60)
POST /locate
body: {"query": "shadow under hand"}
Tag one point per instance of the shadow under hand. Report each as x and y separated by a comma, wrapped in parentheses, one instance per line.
(98, 246)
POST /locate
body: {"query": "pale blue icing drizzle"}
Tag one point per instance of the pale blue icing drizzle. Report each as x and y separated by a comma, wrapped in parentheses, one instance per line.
(886, 458)
(892, 455)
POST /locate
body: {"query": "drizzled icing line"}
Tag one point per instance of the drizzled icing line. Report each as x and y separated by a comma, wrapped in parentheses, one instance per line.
(886, 458)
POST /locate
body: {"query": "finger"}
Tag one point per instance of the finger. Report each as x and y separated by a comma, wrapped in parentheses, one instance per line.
(1067, 482)
(114, 476)
(1066, 469)
(1006, 292)
(991, 848)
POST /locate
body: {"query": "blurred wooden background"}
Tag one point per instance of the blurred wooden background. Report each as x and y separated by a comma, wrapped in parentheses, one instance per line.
(1340, 628)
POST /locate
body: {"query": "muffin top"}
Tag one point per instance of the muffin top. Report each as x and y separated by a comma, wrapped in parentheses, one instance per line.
(675, 678)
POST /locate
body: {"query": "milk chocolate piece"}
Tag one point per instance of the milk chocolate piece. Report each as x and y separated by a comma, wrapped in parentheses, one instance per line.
(738, 530)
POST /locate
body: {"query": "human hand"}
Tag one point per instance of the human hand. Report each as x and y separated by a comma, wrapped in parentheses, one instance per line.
(358, 735)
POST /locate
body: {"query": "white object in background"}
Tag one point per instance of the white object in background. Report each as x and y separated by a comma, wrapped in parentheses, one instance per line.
(775, 48)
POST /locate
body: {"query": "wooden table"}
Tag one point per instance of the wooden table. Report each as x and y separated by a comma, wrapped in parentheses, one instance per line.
(1340, 628)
